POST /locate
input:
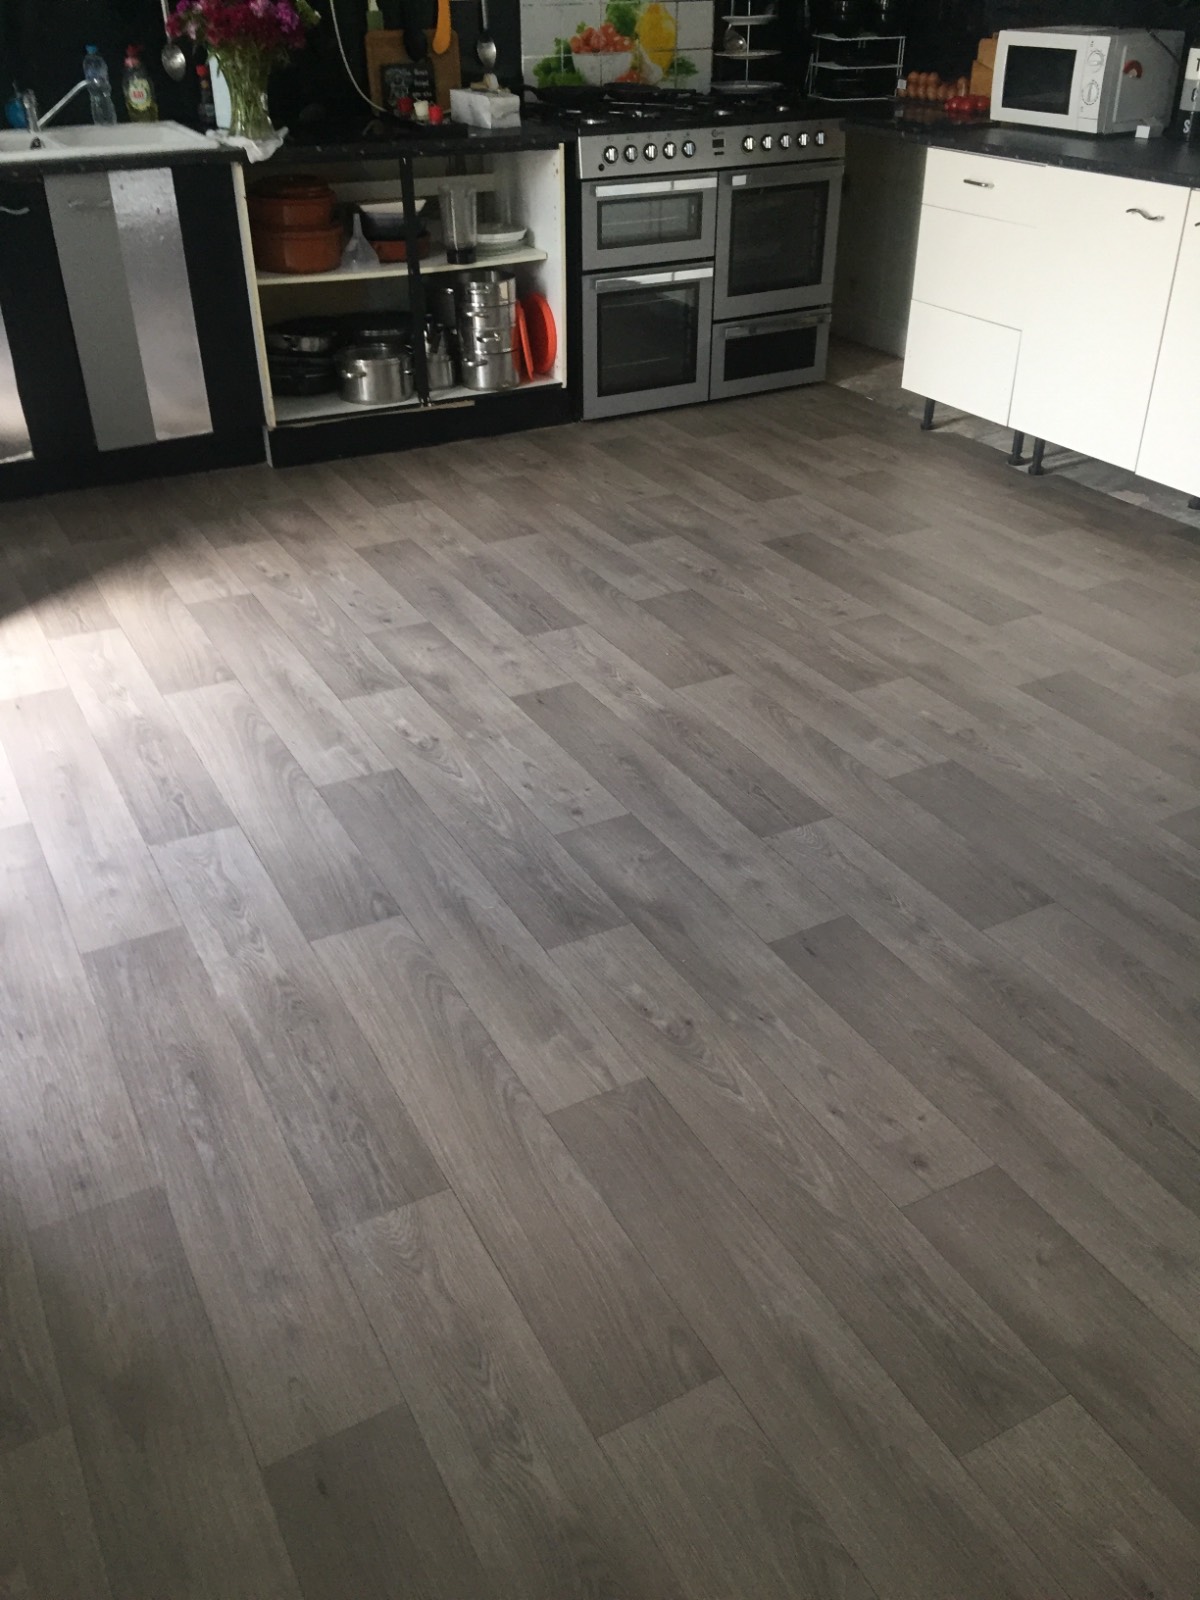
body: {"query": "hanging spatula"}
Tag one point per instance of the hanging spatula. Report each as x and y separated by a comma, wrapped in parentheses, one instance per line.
(441, 28)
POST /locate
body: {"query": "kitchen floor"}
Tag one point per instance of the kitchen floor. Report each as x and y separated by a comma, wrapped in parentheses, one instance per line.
(875, 375)
(610, 1013)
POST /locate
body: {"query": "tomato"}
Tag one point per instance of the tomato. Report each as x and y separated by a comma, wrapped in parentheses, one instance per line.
(957, 103)
(979, 103)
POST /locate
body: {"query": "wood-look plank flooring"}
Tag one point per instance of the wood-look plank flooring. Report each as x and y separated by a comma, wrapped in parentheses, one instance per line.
(609, 1015)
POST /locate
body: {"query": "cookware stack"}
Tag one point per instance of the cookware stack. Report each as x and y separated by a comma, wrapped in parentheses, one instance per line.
(487, 325)
(293, 227)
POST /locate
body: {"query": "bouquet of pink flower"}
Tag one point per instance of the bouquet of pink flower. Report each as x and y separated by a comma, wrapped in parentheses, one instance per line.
(272, 27)
(245, 39)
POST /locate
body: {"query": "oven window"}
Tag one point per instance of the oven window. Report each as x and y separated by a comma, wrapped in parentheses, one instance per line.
(760, 355)
(648, 337)
(1037, 78)
(650, 219)
(777, 237)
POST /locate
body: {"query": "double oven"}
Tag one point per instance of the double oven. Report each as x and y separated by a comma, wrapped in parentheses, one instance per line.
(708, 259)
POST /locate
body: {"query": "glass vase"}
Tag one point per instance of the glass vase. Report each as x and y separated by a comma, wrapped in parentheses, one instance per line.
(246, 73)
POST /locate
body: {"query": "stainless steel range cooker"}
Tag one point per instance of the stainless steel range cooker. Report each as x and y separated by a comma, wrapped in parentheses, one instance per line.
(707, 251)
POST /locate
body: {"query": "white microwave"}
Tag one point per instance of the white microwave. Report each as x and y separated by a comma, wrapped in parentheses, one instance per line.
(1084, 80)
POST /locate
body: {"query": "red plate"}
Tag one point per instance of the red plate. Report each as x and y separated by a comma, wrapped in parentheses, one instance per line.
(543, 335)
(522, 353)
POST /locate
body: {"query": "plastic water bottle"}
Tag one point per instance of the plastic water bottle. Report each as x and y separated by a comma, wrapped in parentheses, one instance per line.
(95, 70)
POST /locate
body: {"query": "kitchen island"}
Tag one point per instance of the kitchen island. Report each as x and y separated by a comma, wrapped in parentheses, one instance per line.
(126, 345)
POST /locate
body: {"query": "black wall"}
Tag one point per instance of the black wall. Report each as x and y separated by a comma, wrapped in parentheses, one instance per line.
(42, 44)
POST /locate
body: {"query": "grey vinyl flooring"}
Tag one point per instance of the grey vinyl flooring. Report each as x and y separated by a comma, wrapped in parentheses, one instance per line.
(606, 1015)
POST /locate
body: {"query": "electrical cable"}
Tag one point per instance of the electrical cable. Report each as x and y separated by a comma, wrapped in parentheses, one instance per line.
(358, 89)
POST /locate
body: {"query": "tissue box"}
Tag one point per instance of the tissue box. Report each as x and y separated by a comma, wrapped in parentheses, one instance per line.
(480, 108)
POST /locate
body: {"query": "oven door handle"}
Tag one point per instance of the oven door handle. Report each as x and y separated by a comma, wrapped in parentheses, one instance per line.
(648, 279)
(761, 325)
(631, 191)
(785, 173)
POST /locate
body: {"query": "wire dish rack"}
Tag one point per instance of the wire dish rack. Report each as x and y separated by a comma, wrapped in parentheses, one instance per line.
(867, 66)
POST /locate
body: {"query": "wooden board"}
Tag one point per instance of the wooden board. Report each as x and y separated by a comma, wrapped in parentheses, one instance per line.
(385, 48)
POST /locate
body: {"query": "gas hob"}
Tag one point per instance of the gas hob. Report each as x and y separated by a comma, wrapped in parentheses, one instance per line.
(639, 132)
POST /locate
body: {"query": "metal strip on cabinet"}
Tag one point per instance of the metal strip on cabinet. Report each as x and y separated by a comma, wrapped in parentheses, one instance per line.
(93, 272)
(157, 281)
(15, 443)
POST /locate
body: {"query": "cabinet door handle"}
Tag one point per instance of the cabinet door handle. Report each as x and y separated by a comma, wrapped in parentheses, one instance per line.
(979, 183)
(1140, 211)
(23, 211)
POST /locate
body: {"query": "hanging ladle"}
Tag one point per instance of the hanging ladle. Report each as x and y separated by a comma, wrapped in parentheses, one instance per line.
(173, 59)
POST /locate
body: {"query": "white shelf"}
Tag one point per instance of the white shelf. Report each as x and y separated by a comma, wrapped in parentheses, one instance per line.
(861, 66)
(295, 410)
(435, 261)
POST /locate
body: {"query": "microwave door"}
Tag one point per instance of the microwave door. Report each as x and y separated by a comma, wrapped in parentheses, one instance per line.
(1041, 81)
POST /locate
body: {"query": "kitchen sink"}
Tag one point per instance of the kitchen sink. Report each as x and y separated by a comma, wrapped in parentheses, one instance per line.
(125, 139)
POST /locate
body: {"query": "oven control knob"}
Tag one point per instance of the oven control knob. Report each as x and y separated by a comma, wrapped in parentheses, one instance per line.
(748, 143)
(767, 142)
(631, 152)
(1091, 93)
(1095, 60)
(689, 148)
(650, 152)
(801, 140)
(820, 136)
(785, 141)
(670, 150)
(611, 154)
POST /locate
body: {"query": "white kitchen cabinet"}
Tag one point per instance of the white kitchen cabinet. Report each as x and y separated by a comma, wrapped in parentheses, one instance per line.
(972, 280)
(963, 361)
(1105, 259)
(985, 186)
(1170, 451)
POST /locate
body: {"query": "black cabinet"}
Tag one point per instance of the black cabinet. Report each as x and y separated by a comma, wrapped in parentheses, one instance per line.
(128, 346)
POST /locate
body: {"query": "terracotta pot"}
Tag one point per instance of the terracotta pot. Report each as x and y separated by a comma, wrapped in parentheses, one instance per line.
(298, 249)
(291, 203)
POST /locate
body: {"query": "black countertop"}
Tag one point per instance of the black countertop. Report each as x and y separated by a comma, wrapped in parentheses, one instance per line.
(32, 166)
(1165, 160)
(381, 142)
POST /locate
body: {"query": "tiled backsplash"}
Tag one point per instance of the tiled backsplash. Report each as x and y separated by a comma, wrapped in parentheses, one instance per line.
(574, 42)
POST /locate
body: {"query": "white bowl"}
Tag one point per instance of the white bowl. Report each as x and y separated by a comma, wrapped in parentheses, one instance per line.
(599, 67)
(388, 208)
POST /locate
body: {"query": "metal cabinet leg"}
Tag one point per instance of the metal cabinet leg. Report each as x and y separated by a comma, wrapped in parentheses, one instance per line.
(1039, 450)
(927, 416)
(1016, 458)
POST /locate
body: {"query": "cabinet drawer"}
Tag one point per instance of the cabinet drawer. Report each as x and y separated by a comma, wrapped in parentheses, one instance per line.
(962, 361)
(977, 265)
(985, 186)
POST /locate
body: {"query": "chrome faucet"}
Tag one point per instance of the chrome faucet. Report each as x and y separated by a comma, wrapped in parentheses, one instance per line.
(35, 121)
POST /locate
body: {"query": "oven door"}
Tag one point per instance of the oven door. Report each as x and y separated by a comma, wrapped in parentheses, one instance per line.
(769, 353)
(645, 222)
(647, 340)
(776, 238)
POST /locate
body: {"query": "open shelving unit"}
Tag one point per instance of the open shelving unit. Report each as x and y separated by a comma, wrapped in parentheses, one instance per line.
(838, 58)
(533, 184)
(300, 410)
(435, 261)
